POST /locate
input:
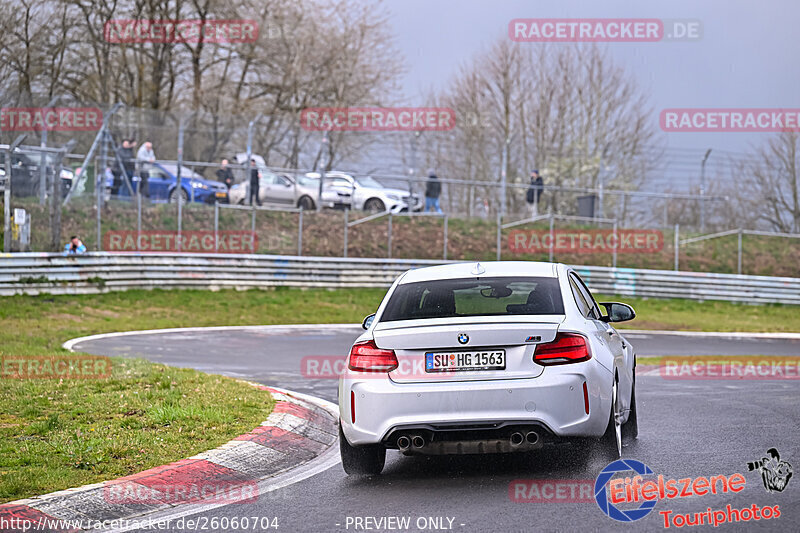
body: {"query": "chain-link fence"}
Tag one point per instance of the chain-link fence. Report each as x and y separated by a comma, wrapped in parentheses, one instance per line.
(146, 171)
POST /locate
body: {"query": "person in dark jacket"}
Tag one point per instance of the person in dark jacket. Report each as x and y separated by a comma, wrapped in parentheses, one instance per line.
(124, 154)
(534, 194)
(254, 182)
(224, 174)
(432, 191)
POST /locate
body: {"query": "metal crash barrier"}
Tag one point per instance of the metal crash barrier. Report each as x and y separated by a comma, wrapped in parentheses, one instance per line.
(35, 273)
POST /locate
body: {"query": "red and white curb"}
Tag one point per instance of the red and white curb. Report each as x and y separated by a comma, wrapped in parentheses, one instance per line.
(300, 430)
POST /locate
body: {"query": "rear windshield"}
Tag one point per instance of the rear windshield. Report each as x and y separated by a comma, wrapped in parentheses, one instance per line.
(474, 297)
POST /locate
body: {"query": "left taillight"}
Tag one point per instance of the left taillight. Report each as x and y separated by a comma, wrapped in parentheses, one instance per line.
(566, 348)
(367, 357)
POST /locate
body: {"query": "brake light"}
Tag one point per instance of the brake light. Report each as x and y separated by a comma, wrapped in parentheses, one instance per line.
(566, 348)
(367, 357)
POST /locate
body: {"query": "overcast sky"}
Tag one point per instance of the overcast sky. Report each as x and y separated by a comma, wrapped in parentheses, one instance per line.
(747, 56)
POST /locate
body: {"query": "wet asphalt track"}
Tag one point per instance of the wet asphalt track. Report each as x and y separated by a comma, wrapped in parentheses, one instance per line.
(687, 429)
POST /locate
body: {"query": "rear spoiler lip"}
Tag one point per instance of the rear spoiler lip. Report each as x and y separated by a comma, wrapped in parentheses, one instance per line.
(554, 320)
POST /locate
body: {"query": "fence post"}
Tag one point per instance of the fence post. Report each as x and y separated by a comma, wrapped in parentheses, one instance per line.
(300, 233)
(499, 230)
(216, 227)
(345, 231)
(445, 238)
(677, 244)
(389, 237)
(43, 170)
(552, 236)
(504, 177)
(179, 185)
(739, 255)
(138, 212)
(616, 245)
(253, 217)
(100, 182)
(7, 204)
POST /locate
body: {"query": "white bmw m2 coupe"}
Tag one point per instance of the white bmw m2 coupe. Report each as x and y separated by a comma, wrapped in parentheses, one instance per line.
(485, 358)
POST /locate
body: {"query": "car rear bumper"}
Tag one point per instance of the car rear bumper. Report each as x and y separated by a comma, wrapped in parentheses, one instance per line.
(554, 400)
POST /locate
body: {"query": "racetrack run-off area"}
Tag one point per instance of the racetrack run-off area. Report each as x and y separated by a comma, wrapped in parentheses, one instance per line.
(685, 430)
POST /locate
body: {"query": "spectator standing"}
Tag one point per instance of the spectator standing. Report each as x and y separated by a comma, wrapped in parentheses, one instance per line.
(116, 170)
(433, 189)
(224, 174)
(128, 158)
(108, 182)
(534, 194)
(255, 174)
(145, 158)
(74, 246)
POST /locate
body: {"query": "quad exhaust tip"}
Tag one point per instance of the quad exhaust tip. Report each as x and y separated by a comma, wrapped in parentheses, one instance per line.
(517, 438)
(403, 443)
(418, 441)
(532, 437)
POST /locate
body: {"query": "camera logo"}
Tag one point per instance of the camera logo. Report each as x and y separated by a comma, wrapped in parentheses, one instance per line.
(774, 473)
(601, 496)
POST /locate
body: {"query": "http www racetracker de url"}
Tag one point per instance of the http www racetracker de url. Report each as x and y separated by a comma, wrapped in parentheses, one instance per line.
(200, 523)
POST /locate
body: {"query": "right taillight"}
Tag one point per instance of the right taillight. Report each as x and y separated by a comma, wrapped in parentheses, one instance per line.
(367, 357)
(566, 348)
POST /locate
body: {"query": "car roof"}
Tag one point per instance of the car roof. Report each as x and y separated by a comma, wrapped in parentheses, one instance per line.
(490, 269)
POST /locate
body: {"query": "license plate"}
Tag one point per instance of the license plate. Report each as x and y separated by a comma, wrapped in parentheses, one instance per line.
(221, 194)
(453, 361)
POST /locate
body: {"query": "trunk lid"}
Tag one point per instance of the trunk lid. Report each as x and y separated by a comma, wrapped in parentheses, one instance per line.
(517, 336)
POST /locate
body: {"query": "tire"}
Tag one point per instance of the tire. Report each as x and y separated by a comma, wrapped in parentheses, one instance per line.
(374, 205)
(610, 444)
(630, 429)
(361, 460)
(306, 203)
(174, 193)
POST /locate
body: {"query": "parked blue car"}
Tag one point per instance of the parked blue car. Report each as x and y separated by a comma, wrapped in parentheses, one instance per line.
(163, 181)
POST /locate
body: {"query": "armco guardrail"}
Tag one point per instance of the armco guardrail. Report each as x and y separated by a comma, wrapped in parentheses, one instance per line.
(33, 273)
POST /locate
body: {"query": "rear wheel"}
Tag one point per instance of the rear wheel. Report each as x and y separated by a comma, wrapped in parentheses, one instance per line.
(610, 444)
(306, 203)
(176, 194)
(361, 460)
(630, 429)
(374, 205)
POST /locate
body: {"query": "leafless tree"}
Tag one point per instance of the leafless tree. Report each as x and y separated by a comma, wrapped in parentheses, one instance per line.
(566, 110)
(765, 190)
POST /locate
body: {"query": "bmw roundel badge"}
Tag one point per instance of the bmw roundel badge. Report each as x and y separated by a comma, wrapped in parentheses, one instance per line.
(463, 338)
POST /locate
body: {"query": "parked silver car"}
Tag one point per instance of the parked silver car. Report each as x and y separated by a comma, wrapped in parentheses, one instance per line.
(286, 189)
(369, 194)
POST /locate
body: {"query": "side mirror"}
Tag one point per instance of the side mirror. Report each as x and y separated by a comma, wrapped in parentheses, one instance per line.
(368, 321)
(618, 312)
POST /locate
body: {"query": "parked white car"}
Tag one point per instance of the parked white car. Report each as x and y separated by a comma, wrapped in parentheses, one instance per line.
(370, 195)
(486, 357)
